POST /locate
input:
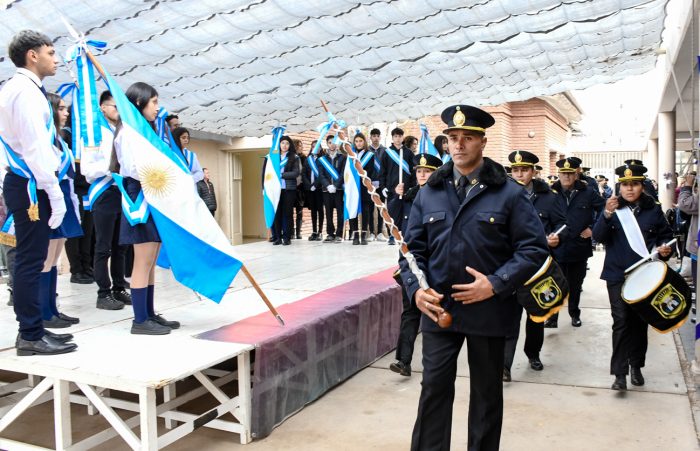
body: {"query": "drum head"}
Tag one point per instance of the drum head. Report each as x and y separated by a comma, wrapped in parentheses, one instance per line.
(643, 281)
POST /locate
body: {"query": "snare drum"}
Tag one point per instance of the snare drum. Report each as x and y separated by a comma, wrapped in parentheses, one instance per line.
(544, 294)
(659, 295)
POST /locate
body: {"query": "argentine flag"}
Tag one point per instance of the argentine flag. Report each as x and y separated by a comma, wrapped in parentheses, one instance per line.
(272, 185)
(426, 145)
(351, 193)
(200, 255)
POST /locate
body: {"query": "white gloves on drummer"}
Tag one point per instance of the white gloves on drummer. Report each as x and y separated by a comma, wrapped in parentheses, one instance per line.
(313, 188)
(58, 209)
(385, 193)
(331, 189)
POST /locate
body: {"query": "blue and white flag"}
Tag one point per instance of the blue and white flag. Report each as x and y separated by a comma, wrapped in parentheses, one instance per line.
(351, 193)
(272, 181)
(426, 145)
(446, 158)
(200, 255)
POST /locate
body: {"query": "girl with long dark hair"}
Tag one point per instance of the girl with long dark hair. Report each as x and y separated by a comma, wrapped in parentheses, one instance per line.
(289, 169)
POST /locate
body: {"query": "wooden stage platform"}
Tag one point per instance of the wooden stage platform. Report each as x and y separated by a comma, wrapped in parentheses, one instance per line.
(342, 311)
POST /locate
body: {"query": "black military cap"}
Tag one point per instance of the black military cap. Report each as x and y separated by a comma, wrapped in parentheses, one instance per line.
(522, 158)
(538, 167)
(508, 169)
(585, 170)
(600, 177)
(466, 117)
(552, 178)
(631, 173)
(425, 160)
(568, 164)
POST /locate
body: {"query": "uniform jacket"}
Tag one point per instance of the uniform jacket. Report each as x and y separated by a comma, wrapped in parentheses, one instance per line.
(618, 253)
(550, 207)
(306, 174)
(389, 176)
(580, 206)
(291, 171)
(339, 164)
(401, 208)
(495, 230)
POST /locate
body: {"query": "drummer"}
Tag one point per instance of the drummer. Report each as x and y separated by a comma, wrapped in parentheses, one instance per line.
(629, 336)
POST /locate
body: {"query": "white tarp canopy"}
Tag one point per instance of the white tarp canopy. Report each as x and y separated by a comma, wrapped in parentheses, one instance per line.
(241, 67)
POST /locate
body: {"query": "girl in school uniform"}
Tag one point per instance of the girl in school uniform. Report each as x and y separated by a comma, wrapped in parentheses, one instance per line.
(69, 228)
(367, 159)
(144, 237)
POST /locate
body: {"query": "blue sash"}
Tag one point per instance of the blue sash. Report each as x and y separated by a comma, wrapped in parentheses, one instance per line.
(135, 211)
(329, 168)
(67, 167)
(446, 158)
(398, 160)
(312, 165)
(366, 157)
(96, 189)
(283, 162)
(189, 158)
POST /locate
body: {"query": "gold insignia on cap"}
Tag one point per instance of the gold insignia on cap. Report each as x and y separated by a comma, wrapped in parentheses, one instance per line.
(518, 157)
(628, 172)
(567, 165)
(423, 161)
(459, 118)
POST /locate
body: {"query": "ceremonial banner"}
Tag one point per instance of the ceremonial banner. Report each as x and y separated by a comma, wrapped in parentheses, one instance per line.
(426, 145)
(351, 192)
(272, 183)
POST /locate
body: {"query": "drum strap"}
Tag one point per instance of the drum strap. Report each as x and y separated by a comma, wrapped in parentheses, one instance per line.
(632, 231)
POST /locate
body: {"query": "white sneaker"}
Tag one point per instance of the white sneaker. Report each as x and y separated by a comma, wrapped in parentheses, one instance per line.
(372, 237)
(381, 237)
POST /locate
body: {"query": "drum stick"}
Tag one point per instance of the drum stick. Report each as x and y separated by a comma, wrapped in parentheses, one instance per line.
(561, 229)
(651, 256)
(401, 169)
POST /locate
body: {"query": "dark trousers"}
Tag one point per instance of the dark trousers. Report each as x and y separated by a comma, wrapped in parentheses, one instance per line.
(433, 428)
(283, 224)
(629, 334)
(330, 202)
(534, 338)
(32, 249)
(314, 201)
(298, 217)
(79, 250)
(408, 331)
(107, 215)
(365, 209)
(574, 272)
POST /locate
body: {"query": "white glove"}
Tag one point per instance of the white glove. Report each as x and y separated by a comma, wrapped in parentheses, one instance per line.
(313, 188)
(331, 189)
(58, 211)
(385, 193)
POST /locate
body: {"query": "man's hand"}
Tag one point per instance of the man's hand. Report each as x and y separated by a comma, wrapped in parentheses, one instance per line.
(587, 233)
(664, 251)
(428, 302)
(477, 291)
(552, 240)
(399, 189)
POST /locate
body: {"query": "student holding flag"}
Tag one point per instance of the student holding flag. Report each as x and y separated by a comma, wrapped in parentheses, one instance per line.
(289, 171)
(314, 191)
(31, 188)
(105, 202)
(181, 136)
(332, 166)
(366, 157)
(143, 235)
(395, 157)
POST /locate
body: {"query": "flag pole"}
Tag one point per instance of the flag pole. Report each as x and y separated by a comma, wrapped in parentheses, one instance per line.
(274, 312)
(444, 318)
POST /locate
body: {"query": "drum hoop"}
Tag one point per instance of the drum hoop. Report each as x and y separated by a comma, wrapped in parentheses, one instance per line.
(540, 271)
(634, 301)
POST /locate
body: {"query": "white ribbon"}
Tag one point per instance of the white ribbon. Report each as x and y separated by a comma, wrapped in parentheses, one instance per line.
(632, 232)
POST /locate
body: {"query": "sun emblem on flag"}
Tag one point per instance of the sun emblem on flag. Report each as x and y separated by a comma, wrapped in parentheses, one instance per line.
(156, 181)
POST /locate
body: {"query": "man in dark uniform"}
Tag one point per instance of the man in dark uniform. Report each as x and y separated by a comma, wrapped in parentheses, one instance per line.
(552, 212)
(477, 238)
(575, 249)
(583, 176)
(389, 174)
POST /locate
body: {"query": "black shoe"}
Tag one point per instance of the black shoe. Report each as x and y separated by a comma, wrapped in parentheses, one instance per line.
(164, 322)
(620, 383)
(329, 239)
(122, 296)
(356, 241)
(401, 368)
(272, 239)
(70, 319)
(277, 242)
(636, 376)
(108, 302)
(44, 346)
(576, 322)
(363, 238)
(149, 327)
(61, 338)
(551, 324)
(506, 375)
(338, 239)
(81, 279)
(298, 236)
(392, 241)
(536, 364)
(286, 242)
(56, 323)
(313, 236)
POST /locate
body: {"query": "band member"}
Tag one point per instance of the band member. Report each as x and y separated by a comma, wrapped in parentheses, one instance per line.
(144, 237)
(575, 249)
(582, 174)
(649, 187)
(397, 157)
(424, 165)
(629, 337)
(106, 206)
(366, 158)
(551, 212)
(31, 188)
(332, 167)
(477, 238)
